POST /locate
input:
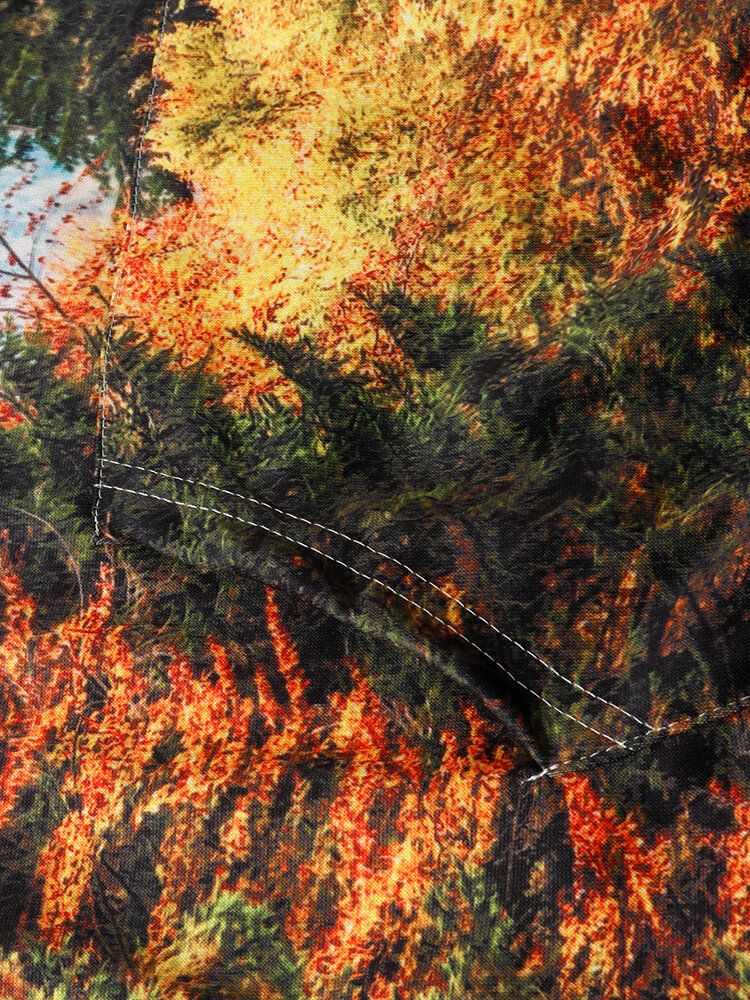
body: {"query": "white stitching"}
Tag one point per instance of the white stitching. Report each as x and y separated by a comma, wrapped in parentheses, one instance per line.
(104, 391)
(380, 583)
(633, 745)
(101, 485)
(391, 559)
(127, 239)
(639, 741)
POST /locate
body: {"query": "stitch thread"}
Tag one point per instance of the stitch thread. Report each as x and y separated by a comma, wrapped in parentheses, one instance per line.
(127, 239)
(380, 583)
(640, 741)
(104, 390)
(394, 561)
(635, 744)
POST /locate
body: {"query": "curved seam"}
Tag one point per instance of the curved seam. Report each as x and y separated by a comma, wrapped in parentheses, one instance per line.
(100, 485)
(618, 744)
(397, 562)
(127, 240)
(641, 741)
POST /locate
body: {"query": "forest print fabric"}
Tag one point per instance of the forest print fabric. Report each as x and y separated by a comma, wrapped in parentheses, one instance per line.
(374, 500)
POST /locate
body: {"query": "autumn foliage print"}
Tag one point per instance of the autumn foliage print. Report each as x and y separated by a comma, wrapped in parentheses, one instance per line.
(374, 500)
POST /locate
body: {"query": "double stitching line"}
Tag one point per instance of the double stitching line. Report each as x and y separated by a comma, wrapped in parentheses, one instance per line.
(633, 745)
(103, 460)
(380, 583)
(396, 562)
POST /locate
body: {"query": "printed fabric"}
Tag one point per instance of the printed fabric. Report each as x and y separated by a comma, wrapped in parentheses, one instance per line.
(374, 500)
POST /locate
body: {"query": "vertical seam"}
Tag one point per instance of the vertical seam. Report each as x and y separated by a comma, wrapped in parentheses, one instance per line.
(127, 240)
